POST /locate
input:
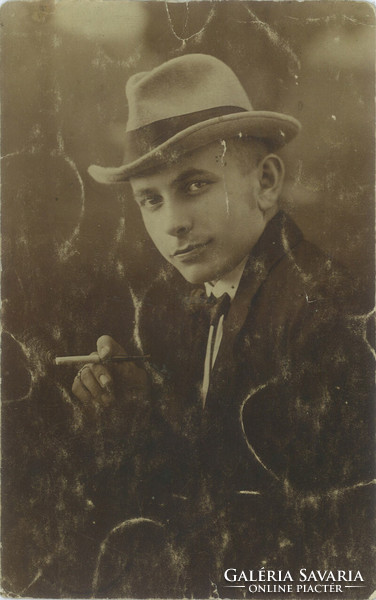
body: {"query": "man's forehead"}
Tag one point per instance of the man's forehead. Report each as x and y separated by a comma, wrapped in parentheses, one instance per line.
(179, 167)
(211, 156)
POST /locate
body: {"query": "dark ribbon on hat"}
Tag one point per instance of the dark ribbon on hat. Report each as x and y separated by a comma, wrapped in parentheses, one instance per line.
(139, 142)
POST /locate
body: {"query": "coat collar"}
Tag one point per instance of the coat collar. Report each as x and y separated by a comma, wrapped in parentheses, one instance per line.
(280, 236)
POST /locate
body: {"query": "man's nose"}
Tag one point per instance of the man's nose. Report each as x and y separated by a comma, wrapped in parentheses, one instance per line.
(178, 220)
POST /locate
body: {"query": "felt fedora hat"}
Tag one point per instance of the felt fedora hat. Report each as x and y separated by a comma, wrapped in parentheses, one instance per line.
(186, 103)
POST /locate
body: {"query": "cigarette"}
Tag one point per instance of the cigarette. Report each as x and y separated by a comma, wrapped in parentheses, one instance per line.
(95, 359)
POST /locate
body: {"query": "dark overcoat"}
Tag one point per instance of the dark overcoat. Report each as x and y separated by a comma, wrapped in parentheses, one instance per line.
(275, 470)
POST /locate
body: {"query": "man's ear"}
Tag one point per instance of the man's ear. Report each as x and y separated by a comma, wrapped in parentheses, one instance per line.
(271, 173)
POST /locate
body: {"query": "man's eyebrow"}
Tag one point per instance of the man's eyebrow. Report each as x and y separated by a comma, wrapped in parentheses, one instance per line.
(189, 173)
(144, 192)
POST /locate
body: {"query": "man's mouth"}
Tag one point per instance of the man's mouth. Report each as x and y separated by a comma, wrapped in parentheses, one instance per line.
(191, 250)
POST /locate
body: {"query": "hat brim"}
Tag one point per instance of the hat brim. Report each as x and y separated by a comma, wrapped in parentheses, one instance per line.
(276, 128)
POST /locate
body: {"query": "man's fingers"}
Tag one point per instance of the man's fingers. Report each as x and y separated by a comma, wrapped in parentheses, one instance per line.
(97, 385)
(80, 391)
(90, 381)
(93, 383)
(92, 405)
(107, 347)
(103, 377)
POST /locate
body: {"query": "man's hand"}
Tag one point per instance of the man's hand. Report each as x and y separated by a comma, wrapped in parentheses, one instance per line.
(97, 385)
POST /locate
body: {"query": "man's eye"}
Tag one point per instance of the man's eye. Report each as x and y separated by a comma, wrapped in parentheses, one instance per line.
(196, 186)
(150, 202)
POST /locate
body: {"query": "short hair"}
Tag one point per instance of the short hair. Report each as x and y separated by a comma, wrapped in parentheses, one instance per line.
(249, 151)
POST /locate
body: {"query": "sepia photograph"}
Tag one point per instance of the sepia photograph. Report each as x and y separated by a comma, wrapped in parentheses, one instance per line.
(188, 292)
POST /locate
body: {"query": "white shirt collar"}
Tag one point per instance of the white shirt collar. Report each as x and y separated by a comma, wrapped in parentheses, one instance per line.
(229, 282)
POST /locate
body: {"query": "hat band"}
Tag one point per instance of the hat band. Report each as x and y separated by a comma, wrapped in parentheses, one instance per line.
(139, 142)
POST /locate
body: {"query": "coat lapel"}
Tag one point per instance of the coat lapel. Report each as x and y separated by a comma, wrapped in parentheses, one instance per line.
(280, 236)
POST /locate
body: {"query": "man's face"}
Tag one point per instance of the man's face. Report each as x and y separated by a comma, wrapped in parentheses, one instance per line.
(201, 212)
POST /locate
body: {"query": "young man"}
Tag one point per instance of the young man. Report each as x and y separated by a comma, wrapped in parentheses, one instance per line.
(248, 437)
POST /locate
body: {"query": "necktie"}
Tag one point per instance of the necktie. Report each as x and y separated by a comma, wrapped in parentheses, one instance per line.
(210, 307)
(218, 309)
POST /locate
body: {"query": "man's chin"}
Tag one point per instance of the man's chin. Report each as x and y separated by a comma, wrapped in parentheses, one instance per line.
(197, 275)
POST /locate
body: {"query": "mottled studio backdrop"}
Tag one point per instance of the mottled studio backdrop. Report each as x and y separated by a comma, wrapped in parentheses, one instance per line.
(75, 256)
